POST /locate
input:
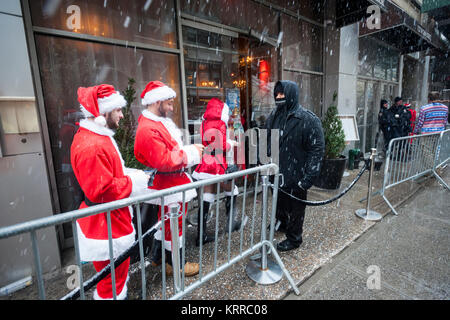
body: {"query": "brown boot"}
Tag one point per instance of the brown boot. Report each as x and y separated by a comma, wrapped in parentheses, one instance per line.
(191, 269)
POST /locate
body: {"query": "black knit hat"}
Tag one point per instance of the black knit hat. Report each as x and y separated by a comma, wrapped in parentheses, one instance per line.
(397, 99)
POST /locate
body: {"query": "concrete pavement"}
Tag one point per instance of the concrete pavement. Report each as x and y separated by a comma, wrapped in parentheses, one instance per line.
(401, 257)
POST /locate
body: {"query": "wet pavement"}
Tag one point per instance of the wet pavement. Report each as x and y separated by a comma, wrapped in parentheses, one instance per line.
(332, 262)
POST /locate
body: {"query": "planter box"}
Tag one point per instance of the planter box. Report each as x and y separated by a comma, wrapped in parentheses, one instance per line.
(331, 173)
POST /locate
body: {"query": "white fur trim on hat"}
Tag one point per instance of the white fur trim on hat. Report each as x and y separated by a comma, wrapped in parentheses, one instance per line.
(111, 102)
(158, 94)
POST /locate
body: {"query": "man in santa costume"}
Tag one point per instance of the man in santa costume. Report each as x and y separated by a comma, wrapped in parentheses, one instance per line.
(218, 159)
(99, 169)
(158, 145)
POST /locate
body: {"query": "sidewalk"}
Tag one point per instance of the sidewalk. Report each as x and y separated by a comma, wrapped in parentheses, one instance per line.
(411, 252)
(333, 259)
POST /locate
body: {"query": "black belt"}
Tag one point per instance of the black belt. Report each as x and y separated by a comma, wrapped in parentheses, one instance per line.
(153, 172)
(89, 203)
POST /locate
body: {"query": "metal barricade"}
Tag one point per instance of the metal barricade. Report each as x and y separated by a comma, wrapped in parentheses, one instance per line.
(171, 217)
(409, 158)
(442, 155)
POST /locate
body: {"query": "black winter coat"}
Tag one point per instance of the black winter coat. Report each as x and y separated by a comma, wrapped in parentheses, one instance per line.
(398, 121)
(301, 140)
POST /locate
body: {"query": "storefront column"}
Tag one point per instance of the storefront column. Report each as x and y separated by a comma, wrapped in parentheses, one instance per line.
(400, 77)
(424, 91)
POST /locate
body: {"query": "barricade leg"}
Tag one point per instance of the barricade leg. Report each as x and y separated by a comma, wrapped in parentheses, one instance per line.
(265, 271)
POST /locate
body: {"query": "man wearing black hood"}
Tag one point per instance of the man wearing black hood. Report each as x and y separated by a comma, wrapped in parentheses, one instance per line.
(301, 147)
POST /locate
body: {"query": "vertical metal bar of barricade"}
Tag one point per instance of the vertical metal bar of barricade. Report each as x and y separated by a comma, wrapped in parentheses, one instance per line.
(274, 207)
(111, 255)
(265, 186)
(174, 211)
(254, 209)
(439, 149)
(163, 248)
(77, 257)
(183, 246)
(141, 252)
(200, 226)
(244, 195)
(230, 219)
(37, 263)
(217, 226)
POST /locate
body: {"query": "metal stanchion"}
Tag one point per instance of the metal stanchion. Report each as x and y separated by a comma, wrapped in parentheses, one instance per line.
(174, 213)
(265, 271)
(366, 213)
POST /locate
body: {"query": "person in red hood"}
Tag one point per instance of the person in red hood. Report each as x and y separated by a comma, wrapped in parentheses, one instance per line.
(217, 159)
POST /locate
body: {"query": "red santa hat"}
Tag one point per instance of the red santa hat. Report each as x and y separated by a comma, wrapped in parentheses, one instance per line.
(156, 91)
(217, 110)
(98, 100)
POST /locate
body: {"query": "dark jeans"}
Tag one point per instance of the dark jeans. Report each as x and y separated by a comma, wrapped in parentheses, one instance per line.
(291, 214)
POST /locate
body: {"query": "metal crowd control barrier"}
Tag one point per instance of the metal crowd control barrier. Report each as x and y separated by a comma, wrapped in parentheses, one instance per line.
(412, 157)
(264, 269)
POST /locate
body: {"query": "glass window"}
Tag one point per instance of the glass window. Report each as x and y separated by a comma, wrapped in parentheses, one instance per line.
(313, 10)
(377, 61)
(310, 90)
(212, 66)
(237, 13)
(302, 45)
(145, 21)
(65, 65)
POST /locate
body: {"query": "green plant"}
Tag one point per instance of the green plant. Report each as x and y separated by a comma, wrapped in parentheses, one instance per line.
(333, 132)
(127, 128)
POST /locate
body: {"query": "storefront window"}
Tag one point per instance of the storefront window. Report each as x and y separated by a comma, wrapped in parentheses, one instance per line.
(310, 90)
(211, 67)
(65, 65)
(236, 13)
(150, 22)
(377, 61)
(313, 10)
(302, 45)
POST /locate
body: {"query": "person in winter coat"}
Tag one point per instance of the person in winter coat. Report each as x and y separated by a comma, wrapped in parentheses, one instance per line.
(99, 169)
(301, 149)
(399, 123)
(383, 122)
(158, 145)
(433, 116)
(213, 131)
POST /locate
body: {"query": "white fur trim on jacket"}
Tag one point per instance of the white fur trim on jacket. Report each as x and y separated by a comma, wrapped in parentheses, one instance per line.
(168, 123)
(158, 94)
(98, 250)
(225, 116)
(96, 128)
(209, 197)
(139, 181)
(204, 175)
(173, 198)
(193, 156)
(121, 296)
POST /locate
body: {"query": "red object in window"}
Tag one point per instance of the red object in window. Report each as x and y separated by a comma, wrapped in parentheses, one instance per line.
(264, 71)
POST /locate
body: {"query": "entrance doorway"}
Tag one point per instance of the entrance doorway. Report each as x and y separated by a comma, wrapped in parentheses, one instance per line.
(238, 69)
(369, 93)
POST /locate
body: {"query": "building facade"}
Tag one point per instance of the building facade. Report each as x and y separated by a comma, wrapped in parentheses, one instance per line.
(233, 50)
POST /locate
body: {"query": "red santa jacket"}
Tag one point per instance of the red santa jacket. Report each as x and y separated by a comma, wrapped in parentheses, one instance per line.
(158, 144)
(214, 137)
(99, 169)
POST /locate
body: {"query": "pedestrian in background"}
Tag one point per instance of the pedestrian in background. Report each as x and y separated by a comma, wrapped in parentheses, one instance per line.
(433, 116)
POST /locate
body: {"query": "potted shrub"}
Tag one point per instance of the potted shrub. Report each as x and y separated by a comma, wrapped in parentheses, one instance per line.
(333, 164)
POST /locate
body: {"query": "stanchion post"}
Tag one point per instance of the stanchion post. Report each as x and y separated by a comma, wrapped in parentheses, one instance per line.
(265, 271)
(366, 213)
(174, 211)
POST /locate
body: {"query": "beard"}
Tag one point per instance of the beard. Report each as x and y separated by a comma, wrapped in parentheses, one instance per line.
(110, 123)
(164, 113)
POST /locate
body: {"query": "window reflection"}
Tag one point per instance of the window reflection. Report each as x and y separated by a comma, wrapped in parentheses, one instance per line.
(144, 21)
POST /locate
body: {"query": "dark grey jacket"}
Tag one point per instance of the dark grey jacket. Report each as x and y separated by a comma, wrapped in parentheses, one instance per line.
(301, 140)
